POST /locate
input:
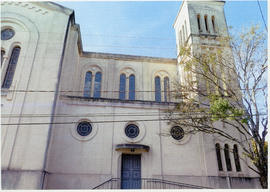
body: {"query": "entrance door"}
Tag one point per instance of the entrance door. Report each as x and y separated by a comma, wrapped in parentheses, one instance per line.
(131, 172)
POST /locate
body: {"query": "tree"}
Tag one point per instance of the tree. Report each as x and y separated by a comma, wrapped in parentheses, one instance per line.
(226, 84)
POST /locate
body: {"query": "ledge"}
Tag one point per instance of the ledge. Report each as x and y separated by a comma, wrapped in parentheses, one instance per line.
(128, 57)
(4, 92)
(92, 99)
(132, 148)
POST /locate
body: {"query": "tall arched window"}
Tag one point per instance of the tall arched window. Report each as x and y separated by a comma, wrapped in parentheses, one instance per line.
(184, 36)
(87, 84)
(206, 23)
(2, 56)
(220, 168)
(157, 89)
(180, 37)
(213, 23)
(122, 87)
(199, 22)
(227, 157)
(166, 89)
(186, 29)
(131, 87)
(11, 67)
(97, 87)
(236, 158)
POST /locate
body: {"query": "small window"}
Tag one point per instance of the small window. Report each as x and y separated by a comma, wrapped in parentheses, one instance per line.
(7, 34)
(220, 168)
(199, 22)
(227, 157)
(166, 89)
(177, 133)
(132, 131)
(11, 67)
(131, 87)
(122, 88)
(157, 89)
(2, 56)
(206, 23)
(97, 88)
(87, 84)
(236, 158)
(84, 128)
(213, 23)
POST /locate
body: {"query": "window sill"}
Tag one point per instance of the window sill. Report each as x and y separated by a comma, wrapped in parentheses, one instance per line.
(4, 92)
(231, 174)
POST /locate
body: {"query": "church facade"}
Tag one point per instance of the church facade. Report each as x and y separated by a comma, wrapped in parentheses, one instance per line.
(84, 120)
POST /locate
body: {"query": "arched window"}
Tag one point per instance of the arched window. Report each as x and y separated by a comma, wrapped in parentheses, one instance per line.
(220, 168)
(131, 87)
(199, 22)
(227, 157)
(186, 29)
(166, 89)
(180, 37)
(11, 67)
(206, 23)
(184, 36)
(122, 88)
(236, 158)
(97, 87)
(213, 23)
(87, 84)
(157, 89)
(2, 56)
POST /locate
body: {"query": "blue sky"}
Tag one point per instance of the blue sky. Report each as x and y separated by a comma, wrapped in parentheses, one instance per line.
(146, 28)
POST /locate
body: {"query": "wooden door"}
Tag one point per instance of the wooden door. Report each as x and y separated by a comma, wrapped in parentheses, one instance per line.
(131, 172)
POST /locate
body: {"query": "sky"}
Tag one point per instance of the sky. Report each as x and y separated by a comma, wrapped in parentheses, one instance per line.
(145, 28)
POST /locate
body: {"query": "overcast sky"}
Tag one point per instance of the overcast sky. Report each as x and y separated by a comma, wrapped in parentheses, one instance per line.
(146, 28)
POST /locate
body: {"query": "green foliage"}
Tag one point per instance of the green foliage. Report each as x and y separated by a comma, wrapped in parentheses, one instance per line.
(255, 156)
(220, 108)
(212, 93)
(188, 65)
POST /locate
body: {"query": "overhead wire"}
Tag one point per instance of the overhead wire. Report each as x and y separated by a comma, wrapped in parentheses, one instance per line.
(262, 15)
(108, 35)
(105, 91)
(129, 120)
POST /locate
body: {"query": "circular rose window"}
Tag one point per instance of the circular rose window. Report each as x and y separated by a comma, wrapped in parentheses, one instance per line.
(7, 34)
(132, 131)
(177, 133)
(84, 128)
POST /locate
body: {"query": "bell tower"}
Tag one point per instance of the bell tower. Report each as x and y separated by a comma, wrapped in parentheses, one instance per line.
(199, 22)
(199, 26)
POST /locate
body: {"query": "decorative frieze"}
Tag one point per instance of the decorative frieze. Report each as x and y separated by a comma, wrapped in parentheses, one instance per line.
(26, 5)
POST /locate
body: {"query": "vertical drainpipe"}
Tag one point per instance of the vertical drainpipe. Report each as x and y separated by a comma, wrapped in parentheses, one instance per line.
(228, 181)
(160, 146)
(56, 94)
(112, 152)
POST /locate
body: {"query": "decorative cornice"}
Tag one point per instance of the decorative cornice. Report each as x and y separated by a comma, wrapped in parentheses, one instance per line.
(26, 5)
(128, 57)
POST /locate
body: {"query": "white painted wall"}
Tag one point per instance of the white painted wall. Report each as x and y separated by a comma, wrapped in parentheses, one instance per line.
(40, 37)
(75, 162)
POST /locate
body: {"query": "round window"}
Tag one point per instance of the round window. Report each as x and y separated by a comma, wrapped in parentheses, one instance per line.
(132, 131)
(177, 133)
(7, 34)
(84, 128)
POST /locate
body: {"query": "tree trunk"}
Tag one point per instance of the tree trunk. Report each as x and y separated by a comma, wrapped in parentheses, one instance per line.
(264, 181)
